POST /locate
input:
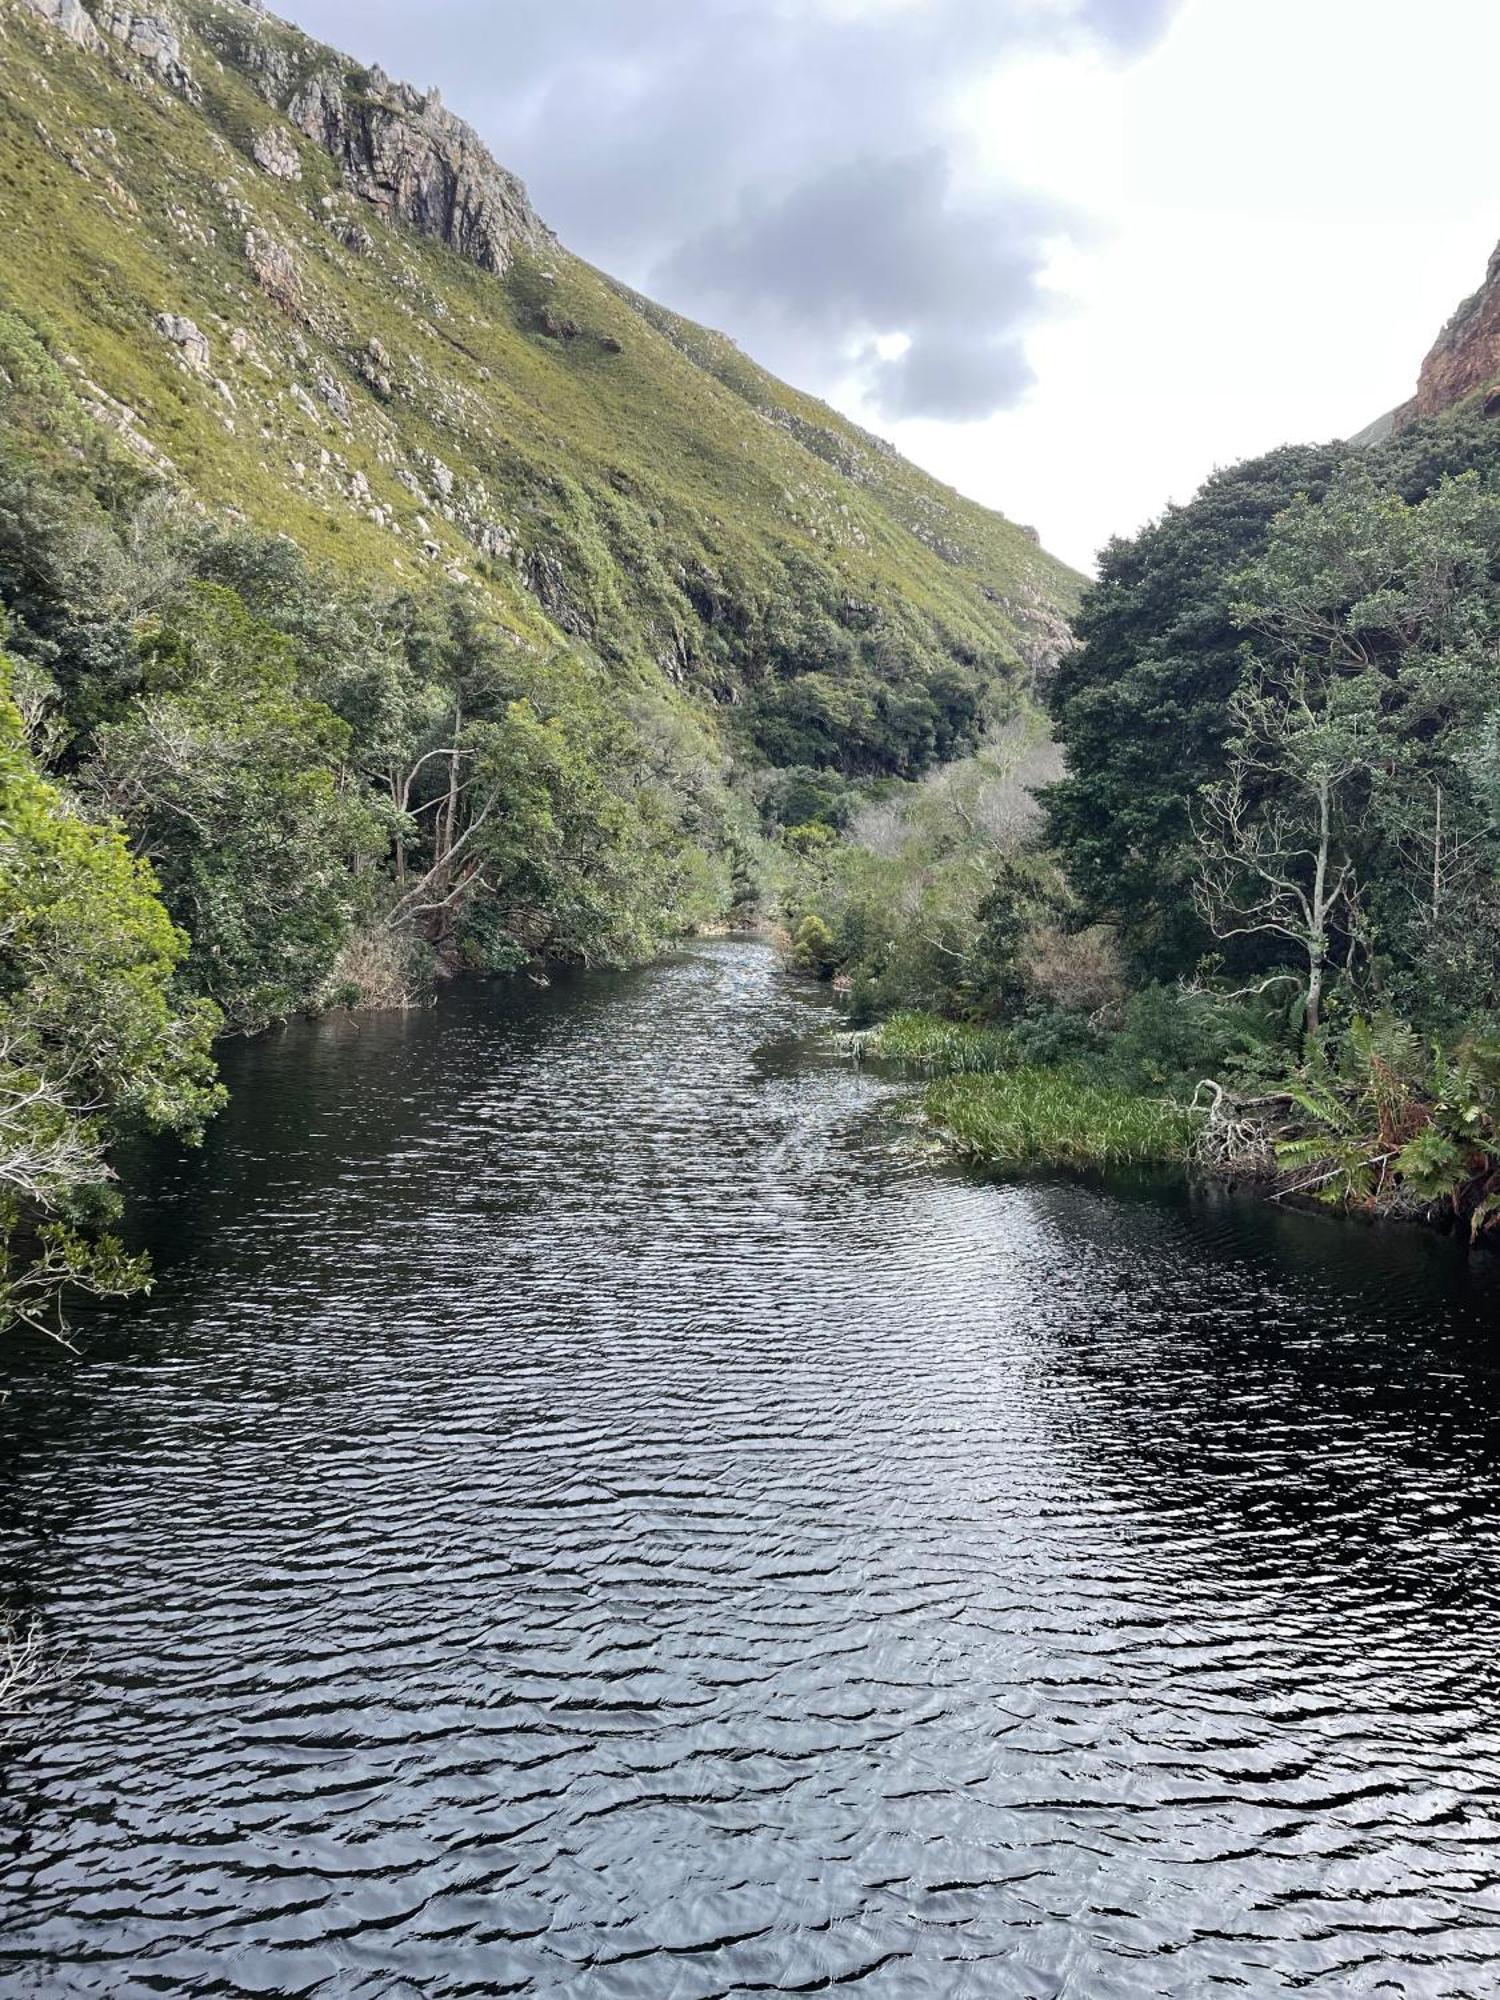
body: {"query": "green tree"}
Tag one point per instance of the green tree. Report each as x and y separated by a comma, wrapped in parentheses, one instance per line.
(94, 1037)
(1275, 837)
(1377, 624)
(1143, 704)
(231, 782)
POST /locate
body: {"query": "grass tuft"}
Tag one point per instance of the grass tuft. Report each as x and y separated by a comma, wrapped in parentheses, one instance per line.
(941, 1048)
(1054, 1117)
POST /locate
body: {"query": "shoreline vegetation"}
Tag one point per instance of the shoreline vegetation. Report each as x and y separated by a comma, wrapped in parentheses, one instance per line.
(1305, 1145)
(998, 1111)
(1225, 892)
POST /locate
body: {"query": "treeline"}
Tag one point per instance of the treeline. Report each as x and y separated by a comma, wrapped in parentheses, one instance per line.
(232, 787)
(235, 786)
(1267, 883)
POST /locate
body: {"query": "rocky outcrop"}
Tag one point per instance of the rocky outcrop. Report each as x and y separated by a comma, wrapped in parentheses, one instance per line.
(1466, 355)
(70, 18)
(153, 38)
(189, 340)
(275, 152)
(411, 159)
(274, 269)
(334, 394)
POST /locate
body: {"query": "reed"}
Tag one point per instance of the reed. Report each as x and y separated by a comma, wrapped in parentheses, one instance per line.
(941, 1048)
(1054, 1117)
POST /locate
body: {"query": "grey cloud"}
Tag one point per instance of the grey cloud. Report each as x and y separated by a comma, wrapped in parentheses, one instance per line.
(785, 167)
(1129, 26)
(882, 246)
(954, 375)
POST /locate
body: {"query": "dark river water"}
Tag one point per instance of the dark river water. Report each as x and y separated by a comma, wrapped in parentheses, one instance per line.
(593, 1510)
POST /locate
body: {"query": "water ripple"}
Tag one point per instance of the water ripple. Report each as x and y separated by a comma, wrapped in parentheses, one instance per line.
(592, 1511)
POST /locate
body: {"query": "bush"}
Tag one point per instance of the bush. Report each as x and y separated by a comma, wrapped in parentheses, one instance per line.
(805, 794)
(1078, 971)
(1173, 1036)
(813, 948)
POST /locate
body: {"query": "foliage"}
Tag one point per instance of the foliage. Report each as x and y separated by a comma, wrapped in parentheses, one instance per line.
(1383, 623)
(227, 778)
(95, 1038)
(1142, 704)
(1284, 717)
(928, 899)
(302, 759)
(813, 948)
(1394, 1122)
(806, 795)
(1056, 1117)
(1174, 1036)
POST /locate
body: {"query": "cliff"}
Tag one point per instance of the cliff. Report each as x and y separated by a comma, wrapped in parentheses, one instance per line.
(1461, 366)
(310, 296)
(1465, 358)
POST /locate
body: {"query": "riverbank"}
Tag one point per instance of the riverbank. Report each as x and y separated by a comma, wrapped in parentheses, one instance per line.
(1300, 1141)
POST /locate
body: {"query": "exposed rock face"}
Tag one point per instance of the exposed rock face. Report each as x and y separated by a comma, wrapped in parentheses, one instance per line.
(275, 269)
(334, 395)
(1466, 355)
(189, 340)
(70, 18)
(416, 163)
(275, 151)
(154, 38)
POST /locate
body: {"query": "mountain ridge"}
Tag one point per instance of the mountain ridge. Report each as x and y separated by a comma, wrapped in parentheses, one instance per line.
(312, 297)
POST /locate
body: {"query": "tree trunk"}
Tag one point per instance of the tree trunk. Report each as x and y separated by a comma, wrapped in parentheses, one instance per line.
(1437, 860)
(1317, 941)
(1314, 993)
(450, 820)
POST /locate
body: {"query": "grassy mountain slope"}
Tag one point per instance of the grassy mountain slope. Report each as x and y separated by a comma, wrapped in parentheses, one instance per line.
(271, 339)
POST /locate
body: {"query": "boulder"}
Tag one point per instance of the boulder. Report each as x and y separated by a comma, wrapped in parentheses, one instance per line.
(334, 394)
(70, 18)
(189, 340)
(275, 152)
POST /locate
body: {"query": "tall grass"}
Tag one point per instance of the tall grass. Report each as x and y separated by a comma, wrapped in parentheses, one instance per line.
(1055, 1117)
(941, 1048)
(992, 1106)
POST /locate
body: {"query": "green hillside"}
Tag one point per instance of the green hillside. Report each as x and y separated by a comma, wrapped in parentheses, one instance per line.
(609, 472)
(386, 594)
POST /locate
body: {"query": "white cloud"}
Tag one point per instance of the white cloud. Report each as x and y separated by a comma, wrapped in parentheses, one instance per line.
(1154, 244)
(1292, 198)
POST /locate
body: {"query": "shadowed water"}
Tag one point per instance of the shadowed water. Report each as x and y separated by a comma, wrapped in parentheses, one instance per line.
(590, 1511)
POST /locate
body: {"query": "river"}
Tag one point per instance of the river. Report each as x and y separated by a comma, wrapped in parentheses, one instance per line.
(593, 1508)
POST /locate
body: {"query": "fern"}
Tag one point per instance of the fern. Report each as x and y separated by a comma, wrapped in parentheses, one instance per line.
(1431, 1164)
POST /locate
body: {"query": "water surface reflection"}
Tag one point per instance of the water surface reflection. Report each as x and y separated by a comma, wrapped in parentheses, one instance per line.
(590, 1511)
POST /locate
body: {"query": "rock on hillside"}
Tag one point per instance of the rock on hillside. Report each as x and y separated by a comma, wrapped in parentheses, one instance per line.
(1465, 357)
(1463, 363)
(312, 296)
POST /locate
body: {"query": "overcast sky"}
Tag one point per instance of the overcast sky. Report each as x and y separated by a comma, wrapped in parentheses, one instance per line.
(1069, 254)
